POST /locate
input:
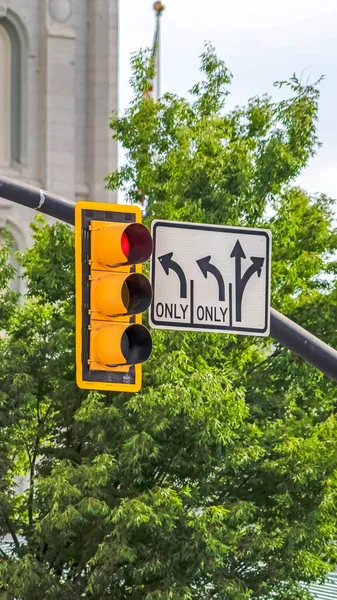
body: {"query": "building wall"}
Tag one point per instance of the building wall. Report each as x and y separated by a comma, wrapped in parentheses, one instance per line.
(58, 90)
(327, 590)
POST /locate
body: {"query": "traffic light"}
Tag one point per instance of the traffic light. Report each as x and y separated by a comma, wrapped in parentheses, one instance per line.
(111, 294)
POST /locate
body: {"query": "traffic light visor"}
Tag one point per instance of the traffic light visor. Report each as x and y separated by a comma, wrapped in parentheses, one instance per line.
(117, 244)
(118, 344)
(119, 294)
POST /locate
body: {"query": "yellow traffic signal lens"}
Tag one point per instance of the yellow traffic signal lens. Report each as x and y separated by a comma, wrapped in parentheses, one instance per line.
(119, 294)
(117, 244)
(118, 344)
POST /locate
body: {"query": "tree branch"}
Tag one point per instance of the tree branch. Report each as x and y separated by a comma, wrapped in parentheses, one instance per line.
(12, 531)
(266, 360)
(31, 484)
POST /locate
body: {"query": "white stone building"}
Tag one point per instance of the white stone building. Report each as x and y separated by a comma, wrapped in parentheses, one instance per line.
(58, 88)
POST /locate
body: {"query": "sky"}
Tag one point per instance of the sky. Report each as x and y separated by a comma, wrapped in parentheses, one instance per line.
(261, 41)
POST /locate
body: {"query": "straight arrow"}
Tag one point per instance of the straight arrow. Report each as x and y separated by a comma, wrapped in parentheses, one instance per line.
(168, 264)
(238, 254)
(206, 267)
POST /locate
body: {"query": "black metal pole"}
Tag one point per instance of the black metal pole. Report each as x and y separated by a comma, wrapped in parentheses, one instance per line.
(282, 329)
(40, 200)
(303, 343)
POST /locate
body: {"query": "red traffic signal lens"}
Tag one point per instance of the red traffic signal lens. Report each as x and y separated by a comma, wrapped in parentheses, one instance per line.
(140, 243)
(125, 244)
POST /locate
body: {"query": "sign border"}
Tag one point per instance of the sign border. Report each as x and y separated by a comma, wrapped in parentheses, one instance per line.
(208, 328)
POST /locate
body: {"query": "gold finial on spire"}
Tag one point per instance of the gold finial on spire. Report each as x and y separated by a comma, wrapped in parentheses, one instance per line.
(158, 7)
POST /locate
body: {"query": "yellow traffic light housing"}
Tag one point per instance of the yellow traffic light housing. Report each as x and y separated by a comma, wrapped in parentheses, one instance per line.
(111, 294)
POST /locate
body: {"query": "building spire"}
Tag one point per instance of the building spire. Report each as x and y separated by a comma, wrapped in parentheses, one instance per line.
(158, 7)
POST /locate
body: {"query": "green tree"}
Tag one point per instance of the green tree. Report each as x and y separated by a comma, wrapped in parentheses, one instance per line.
(217, 481)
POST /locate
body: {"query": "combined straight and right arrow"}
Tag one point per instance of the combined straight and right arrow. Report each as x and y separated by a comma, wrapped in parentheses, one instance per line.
(241, 281)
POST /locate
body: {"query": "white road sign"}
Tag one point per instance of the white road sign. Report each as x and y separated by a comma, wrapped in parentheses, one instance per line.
(210, 278)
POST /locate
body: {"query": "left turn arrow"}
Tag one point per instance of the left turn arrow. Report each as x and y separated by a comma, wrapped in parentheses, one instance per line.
(168, 264)
(206, 267)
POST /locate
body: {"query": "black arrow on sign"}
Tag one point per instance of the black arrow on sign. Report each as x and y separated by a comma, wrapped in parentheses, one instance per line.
(256, 267)
(167, 263)
(206, 267)
(237, 253)
(241, 282)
